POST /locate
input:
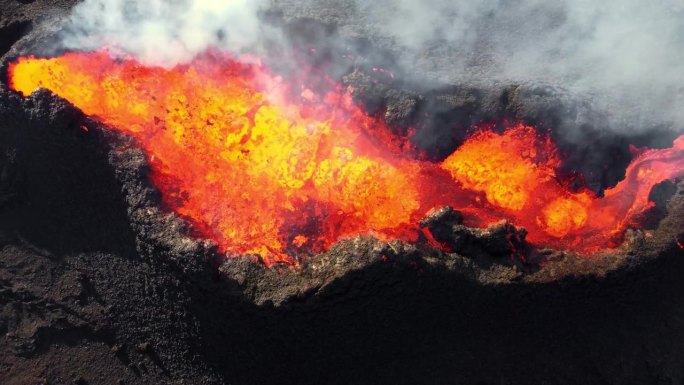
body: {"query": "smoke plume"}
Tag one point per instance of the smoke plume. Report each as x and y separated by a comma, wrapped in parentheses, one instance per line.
(625, 56)
(164, 32)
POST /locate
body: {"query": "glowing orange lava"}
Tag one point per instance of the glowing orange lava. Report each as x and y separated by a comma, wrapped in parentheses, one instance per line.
(516, 172)
(263, 172)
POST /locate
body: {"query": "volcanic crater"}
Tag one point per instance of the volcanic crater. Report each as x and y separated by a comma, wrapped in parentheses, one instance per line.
(103, 279)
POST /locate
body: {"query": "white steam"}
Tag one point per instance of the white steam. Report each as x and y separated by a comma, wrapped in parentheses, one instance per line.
(627, 56)
(164, 31)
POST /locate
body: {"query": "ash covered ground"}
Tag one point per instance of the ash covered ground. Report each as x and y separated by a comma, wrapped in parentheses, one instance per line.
(99, 284)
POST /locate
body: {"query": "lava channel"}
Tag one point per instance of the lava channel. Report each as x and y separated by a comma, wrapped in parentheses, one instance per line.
(262, 170)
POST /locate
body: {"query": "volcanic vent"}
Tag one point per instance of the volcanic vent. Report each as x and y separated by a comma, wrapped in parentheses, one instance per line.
(323, 212)
(269, 167)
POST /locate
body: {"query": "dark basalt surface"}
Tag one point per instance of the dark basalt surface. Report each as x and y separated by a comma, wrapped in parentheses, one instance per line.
(99, 284)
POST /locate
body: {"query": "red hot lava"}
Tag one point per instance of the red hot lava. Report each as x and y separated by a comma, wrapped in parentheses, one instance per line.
(262, 172)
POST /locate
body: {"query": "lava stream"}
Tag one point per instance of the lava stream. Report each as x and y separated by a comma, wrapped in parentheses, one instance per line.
(261, 171)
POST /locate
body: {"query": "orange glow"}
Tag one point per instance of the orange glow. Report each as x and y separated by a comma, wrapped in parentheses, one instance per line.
(484, 163)
(264, 170)
(516, 171)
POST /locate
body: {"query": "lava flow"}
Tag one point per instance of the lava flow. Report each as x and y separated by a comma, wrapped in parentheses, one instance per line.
(261, 171)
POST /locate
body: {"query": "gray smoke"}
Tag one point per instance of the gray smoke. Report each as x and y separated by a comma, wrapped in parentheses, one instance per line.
(626, 56)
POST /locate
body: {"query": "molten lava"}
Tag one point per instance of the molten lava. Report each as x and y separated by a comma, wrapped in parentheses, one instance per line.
(516, 172)
(263, 171)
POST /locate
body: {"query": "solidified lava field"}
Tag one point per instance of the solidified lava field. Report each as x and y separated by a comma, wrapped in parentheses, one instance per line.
(100, 283)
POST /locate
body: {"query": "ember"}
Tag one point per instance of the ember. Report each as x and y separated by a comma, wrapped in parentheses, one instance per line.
(264, 172)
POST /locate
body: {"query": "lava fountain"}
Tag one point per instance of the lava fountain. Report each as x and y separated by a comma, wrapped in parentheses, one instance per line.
(265, 166)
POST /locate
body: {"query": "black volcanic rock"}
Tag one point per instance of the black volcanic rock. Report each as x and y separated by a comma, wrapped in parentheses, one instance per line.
(501, 239)
(441, 224)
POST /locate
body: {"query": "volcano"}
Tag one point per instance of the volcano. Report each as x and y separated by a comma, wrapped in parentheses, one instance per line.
(244, 219)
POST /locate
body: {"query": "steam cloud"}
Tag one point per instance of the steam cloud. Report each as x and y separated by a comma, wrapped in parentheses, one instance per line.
(164, 32)
(626, 55)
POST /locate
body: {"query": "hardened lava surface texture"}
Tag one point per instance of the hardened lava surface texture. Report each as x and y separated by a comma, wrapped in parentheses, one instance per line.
(101, 284)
